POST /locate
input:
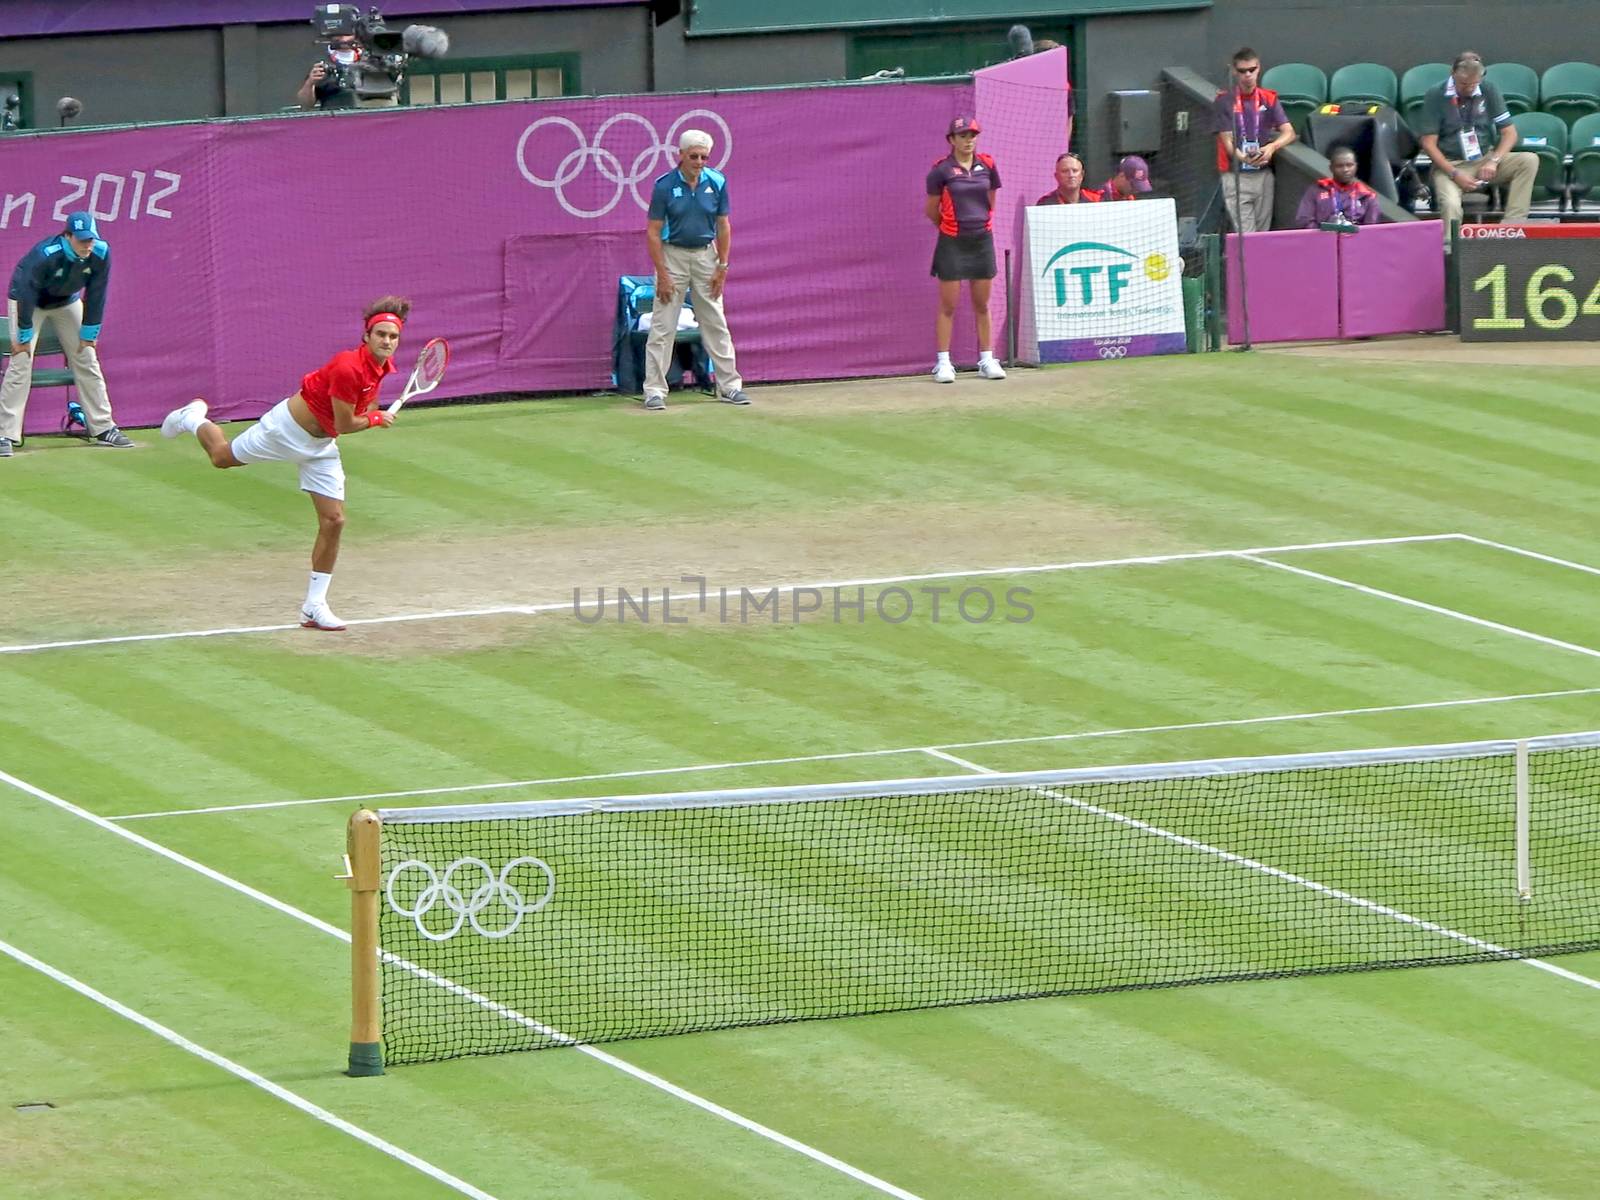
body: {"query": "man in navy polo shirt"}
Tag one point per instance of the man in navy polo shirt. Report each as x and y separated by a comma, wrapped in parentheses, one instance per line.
(689, 236)
(45, 289)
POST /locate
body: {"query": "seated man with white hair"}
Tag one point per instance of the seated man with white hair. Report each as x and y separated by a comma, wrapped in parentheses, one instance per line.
(689, 237)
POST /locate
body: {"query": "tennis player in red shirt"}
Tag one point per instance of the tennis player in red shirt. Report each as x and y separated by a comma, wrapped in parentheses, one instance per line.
(340, 398)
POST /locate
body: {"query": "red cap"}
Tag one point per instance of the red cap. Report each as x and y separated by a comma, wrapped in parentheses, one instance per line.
(1136, 171)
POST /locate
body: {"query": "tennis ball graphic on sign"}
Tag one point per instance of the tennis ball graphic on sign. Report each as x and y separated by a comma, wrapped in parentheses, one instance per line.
(1156, 268)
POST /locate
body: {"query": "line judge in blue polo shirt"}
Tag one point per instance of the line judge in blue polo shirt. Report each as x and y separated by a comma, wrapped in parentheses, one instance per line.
(689, 237)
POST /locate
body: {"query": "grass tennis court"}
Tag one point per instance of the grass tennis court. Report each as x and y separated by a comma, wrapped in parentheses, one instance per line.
(1223, 556)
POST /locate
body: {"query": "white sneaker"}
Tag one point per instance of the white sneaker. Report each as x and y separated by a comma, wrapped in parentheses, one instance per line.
(990, 368)
(175, 420)
(944, 373)
(321, 617)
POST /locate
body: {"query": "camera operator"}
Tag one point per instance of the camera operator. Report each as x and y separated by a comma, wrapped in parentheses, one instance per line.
(330, 83)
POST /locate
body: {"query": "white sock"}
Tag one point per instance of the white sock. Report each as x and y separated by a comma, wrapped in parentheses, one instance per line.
(317, 592)
(191, 422)
(943, 360)
(985, 355)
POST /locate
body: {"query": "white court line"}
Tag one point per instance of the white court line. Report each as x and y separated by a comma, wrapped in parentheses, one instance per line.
(949, 758)
(598, 1055)
(1424, 605)
(1549, 558)
(1297, 880)
(245, 1073)
(367, 797)
(563, 605)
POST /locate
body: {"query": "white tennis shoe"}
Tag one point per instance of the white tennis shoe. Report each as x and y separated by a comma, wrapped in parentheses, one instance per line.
(944, 372)
(320, 617)
(990, 368)
(177, 421)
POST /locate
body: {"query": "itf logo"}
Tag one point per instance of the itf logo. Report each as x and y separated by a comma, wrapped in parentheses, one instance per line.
(1094, 275)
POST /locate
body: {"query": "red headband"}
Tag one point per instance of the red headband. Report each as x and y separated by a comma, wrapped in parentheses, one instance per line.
(384, 316)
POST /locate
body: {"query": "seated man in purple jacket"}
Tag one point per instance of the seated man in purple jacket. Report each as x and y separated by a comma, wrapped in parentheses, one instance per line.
(1341, 194)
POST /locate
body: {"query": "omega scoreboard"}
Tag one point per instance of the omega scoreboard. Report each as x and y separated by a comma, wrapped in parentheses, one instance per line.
(1529, 283)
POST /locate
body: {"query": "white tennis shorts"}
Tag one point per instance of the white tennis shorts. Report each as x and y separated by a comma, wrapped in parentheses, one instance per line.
(277, 437)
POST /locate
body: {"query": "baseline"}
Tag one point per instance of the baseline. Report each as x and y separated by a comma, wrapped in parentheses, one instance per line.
(610, 1060)
(781, 589)
(293, 1099)
(1296, 880)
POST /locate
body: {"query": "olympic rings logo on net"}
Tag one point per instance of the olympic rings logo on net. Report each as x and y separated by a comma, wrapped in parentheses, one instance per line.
(656, 157)
(495, 892)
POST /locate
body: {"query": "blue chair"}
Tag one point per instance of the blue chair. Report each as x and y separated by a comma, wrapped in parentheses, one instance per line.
(636, 297)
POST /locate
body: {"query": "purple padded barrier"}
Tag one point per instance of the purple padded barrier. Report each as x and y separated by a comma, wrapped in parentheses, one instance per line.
(1392, 279)
(1292, 277)
(243, 251)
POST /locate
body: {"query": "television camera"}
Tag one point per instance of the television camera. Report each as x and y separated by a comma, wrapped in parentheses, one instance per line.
(365, 57)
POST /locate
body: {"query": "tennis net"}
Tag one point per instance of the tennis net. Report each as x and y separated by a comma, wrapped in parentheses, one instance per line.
(546, 923)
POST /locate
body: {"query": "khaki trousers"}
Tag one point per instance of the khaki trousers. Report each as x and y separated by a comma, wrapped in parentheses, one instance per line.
(1515, 175)
(690, 269)
(67, 321)
(1248, 195)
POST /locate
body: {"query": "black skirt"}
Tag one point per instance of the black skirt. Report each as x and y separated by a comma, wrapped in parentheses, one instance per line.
(964, 256)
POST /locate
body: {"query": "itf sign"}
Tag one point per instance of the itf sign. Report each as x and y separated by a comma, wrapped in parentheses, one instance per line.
(1104, 281)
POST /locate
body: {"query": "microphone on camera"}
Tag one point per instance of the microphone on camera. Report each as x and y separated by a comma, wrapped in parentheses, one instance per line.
(425, 41)
(1020, 39)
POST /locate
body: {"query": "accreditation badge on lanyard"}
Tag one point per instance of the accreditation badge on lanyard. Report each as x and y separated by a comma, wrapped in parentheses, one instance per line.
(1248, 132)
(1471, 151)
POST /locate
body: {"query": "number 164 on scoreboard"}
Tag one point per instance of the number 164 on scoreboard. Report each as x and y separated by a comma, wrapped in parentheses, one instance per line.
(1528, 283)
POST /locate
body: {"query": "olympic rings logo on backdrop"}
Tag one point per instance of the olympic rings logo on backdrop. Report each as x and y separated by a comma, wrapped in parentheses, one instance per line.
(655, 158)
(1113, 351)
(495, 892)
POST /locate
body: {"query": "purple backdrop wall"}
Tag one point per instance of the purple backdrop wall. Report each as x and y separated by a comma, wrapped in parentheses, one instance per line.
(243, 251)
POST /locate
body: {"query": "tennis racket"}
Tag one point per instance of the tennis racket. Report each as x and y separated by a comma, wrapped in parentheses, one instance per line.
(425, 376)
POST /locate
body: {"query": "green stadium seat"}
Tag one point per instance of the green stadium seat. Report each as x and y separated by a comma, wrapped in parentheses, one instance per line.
(48, 347)
(1584, 145)
(1372, 82)
(1301, 87)
(1545, 134)
(1517, 83)
(1570, 90)
(1415, 83)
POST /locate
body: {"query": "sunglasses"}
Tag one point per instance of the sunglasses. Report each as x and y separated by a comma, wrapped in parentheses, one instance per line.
(1245, 70)
(696, 155)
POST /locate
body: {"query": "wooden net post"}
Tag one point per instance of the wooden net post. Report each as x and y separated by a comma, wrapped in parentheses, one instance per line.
(364, 879)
